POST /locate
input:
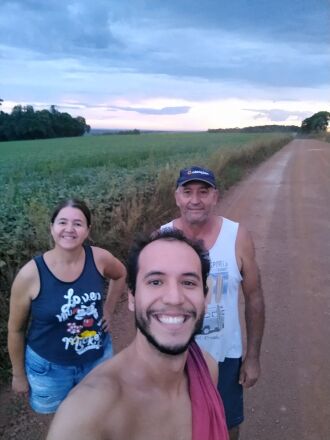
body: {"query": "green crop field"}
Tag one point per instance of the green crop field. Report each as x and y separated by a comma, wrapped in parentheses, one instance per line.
(34, 175)
(91, 167)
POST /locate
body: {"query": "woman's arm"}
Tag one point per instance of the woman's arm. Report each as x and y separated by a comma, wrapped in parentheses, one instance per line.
(25, 287)
(114, 270)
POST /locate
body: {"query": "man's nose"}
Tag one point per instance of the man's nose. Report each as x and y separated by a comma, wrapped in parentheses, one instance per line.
(195, 198)
(174, 294)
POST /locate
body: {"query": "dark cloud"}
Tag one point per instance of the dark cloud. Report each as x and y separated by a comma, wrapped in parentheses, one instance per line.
(70, 28)
(280, 44)
(283, 20)
(65, 25)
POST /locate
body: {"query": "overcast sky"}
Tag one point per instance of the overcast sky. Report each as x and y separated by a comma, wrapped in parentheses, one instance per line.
(175, 64)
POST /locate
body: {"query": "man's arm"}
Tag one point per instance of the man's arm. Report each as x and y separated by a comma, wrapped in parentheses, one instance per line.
(254, 308)
(212, 366)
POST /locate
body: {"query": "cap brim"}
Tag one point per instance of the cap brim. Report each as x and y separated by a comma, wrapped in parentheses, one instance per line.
(196, 179)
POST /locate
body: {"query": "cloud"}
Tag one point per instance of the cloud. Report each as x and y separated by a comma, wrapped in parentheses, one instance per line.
(257, 41)
(73, 28)
(278, 115)
(154, 111)
(140, 58)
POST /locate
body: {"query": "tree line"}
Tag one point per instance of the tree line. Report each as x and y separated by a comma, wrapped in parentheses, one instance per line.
(258, 129)
(316, 124)
(25, 123)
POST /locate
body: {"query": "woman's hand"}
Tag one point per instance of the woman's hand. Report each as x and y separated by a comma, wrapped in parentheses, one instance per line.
(20, 384)
(105, 324)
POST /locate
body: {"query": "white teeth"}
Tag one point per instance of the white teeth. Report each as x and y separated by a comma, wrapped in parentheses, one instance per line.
(165, 319)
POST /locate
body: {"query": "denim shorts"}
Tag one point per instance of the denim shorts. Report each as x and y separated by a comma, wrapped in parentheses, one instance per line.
(231, 391)
(50, 383)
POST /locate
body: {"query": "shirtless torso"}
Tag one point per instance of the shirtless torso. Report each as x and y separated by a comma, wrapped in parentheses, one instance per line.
(131, 410)
(128, 398)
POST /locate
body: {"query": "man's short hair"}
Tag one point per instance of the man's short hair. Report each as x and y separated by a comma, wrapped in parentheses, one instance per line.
(169, 234)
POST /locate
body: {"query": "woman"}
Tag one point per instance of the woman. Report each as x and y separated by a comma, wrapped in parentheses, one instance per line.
(62, 290)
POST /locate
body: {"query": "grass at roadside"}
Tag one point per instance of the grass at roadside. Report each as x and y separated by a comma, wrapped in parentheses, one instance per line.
(128, 181)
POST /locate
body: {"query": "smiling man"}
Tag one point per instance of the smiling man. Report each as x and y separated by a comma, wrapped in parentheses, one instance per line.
(161, 386)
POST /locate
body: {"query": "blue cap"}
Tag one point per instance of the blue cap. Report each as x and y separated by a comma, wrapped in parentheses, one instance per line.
(196, 173)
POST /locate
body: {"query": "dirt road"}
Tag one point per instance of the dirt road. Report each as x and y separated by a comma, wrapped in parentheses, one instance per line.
(285, 203)
(286, 206)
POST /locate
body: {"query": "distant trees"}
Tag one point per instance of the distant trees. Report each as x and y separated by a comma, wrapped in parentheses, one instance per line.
(25, 123)
(317, 123)
(258, 129)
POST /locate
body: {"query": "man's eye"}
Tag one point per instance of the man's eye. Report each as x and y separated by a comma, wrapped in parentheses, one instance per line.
(155, 282)
(189, 283)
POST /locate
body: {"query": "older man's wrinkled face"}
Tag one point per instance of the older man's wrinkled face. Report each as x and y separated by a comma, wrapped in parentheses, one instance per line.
(169, 301)
(196, 201)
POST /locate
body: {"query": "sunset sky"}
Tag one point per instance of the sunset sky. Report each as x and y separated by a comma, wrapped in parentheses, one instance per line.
(168, 65)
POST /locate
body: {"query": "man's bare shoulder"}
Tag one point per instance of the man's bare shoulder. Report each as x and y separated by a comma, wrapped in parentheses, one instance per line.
(103, 376)
(86, 411)
(243, 234)
(244, 243)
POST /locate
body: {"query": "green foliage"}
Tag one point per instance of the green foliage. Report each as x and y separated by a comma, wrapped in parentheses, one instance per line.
(258, 129)
(317, 123)
(25, 123)
(103, 170)
(128, 182)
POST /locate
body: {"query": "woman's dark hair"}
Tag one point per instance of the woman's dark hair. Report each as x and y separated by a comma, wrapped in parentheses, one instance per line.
(73, 203)
(171, 235)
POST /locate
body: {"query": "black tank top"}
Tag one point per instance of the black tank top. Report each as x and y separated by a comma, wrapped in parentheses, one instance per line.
(66, 316)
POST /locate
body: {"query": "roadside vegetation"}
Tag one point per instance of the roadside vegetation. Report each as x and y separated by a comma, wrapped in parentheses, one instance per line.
(327, 137)
(128, 182)
(316, 126)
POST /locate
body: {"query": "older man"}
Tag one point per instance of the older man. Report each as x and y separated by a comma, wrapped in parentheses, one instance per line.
(233, 266)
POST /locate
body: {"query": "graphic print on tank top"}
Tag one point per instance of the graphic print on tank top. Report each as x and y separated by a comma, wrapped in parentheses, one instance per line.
(83, 323)
(217, 282)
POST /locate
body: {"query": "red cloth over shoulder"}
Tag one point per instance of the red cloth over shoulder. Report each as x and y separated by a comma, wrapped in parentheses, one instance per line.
(208, 417)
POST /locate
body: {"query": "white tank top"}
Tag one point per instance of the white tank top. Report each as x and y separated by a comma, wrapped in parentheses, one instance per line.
(221, 333)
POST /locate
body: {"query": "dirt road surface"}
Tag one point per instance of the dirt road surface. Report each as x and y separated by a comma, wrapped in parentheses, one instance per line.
(286, 206)
(285, 203)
